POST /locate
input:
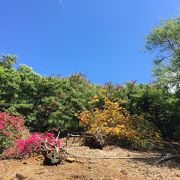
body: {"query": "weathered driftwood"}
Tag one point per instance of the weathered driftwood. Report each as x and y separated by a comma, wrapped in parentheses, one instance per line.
(84, 135)
(53, 154)
(94, 141)
(52, 158)
(173, 153)
(167, 158)
(119, 157)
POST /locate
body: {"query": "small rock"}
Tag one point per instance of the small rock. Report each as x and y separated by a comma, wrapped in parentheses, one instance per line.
(69, 159)
(78, 161)
(89, 167)
(92, 162)
(40, 172)
(20, 176)
(124, 172)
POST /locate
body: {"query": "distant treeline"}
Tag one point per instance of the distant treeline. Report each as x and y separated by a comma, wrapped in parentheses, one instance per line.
(52, 101)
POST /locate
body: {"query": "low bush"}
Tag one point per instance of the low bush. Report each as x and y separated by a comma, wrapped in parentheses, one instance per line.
(17, 142)
(34, 143)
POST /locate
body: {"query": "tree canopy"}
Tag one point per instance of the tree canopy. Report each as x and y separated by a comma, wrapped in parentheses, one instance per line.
(165, 41)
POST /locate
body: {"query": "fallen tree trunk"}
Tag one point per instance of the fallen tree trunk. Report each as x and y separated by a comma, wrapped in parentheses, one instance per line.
(95, 157)
(167, 158)
(172, 153)
(94, 141)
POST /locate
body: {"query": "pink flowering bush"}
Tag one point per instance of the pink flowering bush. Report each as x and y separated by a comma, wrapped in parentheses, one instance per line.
(17, 142)
(11, 129)
(34, 143)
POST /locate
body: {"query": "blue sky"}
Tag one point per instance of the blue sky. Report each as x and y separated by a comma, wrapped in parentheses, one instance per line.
(101, 38)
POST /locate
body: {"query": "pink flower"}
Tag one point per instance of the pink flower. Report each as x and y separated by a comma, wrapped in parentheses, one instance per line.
(48, 134)
(54, 129)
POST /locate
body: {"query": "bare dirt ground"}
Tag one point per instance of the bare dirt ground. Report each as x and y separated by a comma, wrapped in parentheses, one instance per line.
(91, 168)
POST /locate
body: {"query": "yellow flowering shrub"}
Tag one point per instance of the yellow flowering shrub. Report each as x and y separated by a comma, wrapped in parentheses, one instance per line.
(112, 120)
